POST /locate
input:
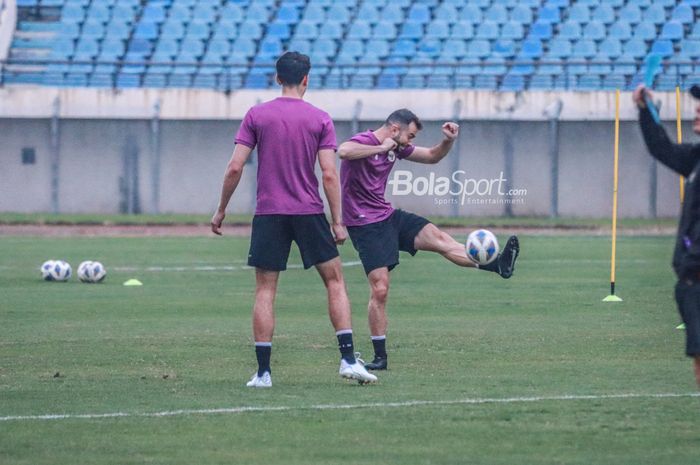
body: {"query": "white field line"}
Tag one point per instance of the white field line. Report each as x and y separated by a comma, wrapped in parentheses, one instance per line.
(320, 407)
(209, 267)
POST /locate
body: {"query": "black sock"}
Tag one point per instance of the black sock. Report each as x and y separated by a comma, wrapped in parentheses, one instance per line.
(263, 351)
(493, 266)
(347, 350)
(379, 343)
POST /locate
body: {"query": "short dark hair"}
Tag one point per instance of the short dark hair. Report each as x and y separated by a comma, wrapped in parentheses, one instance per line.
(404, 117)
(292, 67)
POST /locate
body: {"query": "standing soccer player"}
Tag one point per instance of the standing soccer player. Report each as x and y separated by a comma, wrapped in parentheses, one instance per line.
(291, 135)
(684, 159)
(379, 232)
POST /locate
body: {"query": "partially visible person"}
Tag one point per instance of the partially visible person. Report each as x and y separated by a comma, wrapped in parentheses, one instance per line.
(684, 159)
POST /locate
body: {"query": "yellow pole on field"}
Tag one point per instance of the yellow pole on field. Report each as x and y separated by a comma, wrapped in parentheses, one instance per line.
(612, 297)
(679, 132)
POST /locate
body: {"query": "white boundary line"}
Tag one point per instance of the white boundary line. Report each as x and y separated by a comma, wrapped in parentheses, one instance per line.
(210, 267)
(413, 403)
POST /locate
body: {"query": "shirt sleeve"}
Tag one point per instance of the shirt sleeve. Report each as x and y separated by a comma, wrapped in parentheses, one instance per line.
(328, 140)
(681, 158)
(405, 152)
(246, 133)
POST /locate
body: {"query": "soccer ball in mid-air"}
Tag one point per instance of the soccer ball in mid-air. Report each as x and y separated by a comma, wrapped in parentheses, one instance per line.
(91, 272)
(482, 246)
(56, 270)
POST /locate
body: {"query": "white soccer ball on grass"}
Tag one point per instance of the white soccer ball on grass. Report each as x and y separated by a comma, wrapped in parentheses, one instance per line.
(56, 270)
(91, 272)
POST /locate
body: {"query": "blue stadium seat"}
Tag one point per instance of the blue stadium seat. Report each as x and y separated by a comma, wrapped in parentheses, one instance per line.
(654, 14)
(683, 13)
(512, 30)
(279, 30)
(470, 67)
(477, 48)
(438, 29)
(72, 14)
(244, 46)
(610, 47)
(625, 64)
(369, 12)
(331, 30)
(541, 30)
(662, 47)
(153, 13)
(439, 81)
(485, 82)
(540, 82)
(594, 30)
(494, 66)
(503, 48)
(446, 12)
(600, 65)
(645, 31)
(411, 30)
(462, 30)
(250, 30)
(388, 81)
(521, 14)
(621, 29)
(324, 47)
(429, 48)
(419, 13)
(531, 48)
(377, 47)
(172, 30)
(270, 48)
(667, 82)
(314, 13)
(560, 48)
(463, 81)
(257, 13)
(384, 30)
(353, 47)
(496, 13)
(306, 30)
(471, 13)
(604, 13)
(589, 82)
(487, 30)
(672, 30)
(287, 14)
(579, 13)
(630, 13)
(549, 14)
(404, 48)
(513, 83)
(393, 12)
(636, 48)
(614, 81)
(300, 45)
(570, 30)
(360, 30)
(690, 48)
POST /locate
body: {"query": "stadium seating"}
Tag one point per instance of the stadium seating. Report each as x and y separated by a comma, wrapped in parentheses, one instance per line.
(485, 44)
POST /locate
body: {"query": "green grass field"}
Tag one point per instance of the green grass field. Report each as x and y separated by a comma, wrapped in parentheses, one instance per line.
(457, 338)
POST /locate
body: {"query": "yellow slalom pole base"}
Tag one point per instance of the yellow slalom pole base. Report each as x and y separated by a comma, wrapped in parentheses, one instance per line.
(681, 326)
(612, 298)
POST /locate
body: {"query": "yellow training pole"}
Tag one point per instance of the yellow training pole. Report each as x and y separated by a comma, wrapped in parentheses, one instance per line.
(679, 132)
(612, 297)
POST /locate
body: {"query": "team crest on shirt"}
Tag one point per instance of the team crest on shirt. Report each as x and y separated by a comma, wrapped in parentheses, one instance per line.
(391, 156)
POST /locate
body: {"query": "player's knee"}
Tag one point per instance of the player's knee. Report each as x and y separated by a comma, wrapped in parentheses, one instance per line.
(380, 290)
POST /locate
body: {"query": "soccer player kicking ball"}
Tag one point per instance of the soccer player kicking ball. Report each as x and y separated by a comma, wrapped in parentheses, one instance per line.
(379, 232)
(291, 135)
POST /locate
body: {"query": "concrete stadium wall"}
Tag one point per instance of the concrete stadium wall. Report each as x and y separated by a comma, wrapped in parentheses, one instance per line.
(193, 155)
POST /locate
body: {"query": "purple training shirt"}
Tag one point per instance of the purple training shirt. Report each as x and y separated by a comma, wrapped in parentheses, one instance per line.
(364, 181)
(288, 132)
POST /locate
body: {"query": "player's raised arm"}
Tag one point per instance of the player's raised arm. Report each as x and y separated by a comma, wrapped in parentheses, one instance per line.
(232, 177)
(431, 155)
(351, 150)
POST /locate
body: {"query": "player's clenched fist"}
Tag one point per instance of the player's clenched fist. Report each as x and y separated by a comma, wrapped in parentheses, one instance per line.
(450, 130)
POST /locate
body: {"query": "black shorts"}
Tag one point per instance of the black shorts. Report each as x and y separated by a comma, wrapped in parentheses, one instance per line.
(379, 243)
(688, 300)
(272, 236)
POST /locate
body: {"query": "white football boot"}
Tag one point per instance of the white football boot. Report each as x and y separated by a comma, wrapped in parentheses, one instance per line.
(356, 371)
(264, 381)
